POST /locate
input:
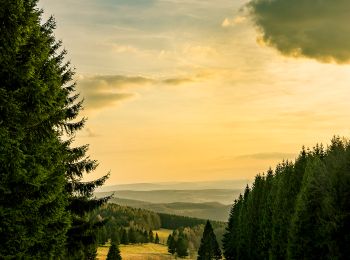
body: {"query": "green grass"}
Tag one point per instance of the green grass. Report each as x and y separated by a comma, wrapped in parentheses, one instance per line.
(149, 251)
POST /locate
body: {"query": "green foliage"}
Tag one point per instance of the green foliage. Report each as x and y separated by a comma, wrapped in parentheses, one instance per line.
(113, 252)
(182, 247)
(124, 238)
(178, 244)
(174, 221)
(299, 211)
(43, 201)
(171, 244)
(209, 248)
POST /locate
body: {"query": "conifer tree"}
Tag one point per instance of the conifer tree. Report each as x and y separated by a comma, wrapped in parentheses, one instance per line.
(182, 246)
(132, 235)
(151, 236)
(113, 252)
(145, 237)
(230, 239)
(41, 193)
(124, 238)
(308, 236)
(209, 247)
(156, 240)
(171, 244)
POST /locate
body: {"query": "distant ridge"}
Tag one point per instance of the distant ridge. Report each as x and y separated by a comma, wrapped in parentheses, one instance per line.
(223, 196)
(200, 185)
(209, 210)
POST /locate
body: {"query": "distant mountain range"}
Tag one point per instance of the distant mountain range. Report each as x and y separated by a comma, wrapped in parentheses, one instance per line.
(206, 199)
(200, 185)
(169, 196)
(208, 210)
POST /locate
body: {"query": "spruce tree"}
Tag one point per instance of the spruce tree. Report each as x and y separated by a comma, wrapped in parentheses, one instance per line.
(151, 236)
(308, 234)
(34, 106)
(41, 193)
(182, 246)
(209, 247)
(230, 239)
(113, 252)
(171, 244)
(124, 238)
(156, 240)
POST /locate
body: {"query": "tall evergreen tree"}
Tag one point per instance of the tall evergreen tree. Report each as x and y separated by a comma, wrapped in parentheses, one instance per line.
(182, 246)
(209, 247)
(114, 252)
(171, 244)
(308, 234)
(231, 235)
(33, 198)
(41, 191)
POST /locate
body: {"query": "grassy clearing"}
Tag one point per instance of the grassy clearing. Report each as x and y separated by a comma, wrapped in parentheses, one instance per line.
(162, 234)
(147, 251)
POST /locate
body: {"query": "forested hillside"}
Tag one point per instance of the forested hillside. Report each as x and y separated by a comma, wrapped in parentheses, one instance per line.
(130, 225)
(301, 210)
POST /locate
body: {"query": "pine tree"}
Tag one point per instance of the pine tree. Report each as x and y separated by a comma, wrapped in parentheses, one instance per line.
(41, 172)
(231, 236)
(34, 105)
(132, 235)
(308, 234)
(209, 247)
(113, 252)
(171, 244)
(145, 237)
(124, 239)
(182, 246)
(156, 240)
(151, 236)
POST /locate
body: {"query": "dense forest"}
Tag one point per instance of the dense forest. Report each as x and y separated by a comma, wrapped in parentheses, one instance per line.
(301, 210)
(130, 225)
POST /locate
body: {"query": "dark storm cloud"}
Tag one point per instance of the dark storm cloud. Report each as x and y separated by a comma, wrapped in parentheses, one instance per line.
(317, 29)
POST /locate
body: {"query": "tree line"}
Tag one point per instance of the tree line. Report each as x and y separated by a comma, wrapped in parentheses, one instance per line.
(301, 210)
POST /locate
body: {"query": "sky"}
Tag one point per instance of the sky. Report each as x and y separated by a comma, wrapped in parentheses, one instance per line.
(191, 90)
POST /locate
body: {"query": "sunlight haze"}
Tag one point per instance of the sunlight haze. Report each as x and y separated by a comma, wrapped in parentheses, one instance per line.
(180, 90)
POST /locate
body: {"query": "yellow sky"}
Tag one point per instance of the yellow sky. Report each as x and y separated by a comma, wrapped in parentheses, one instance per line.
(181, 90)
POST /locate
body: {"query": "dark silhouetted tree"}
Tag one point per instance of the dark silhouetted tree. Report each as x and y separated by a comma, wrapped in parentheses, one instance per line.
(156, 240)
(113, 252)
(209, 247)
(151, 236)
(171, 244)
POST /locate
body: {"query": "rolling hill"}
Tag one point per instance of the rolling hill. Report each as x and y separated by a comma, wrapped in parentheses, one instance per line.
(207, 210)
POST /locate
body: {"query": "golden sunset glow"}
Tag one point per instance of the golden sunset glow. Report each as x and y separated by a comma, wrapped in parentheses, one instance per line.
(192, 90)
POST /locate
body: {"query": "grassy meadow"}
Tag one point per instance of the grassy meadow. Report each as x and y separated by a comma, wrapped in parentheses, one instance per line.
(149, 251)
